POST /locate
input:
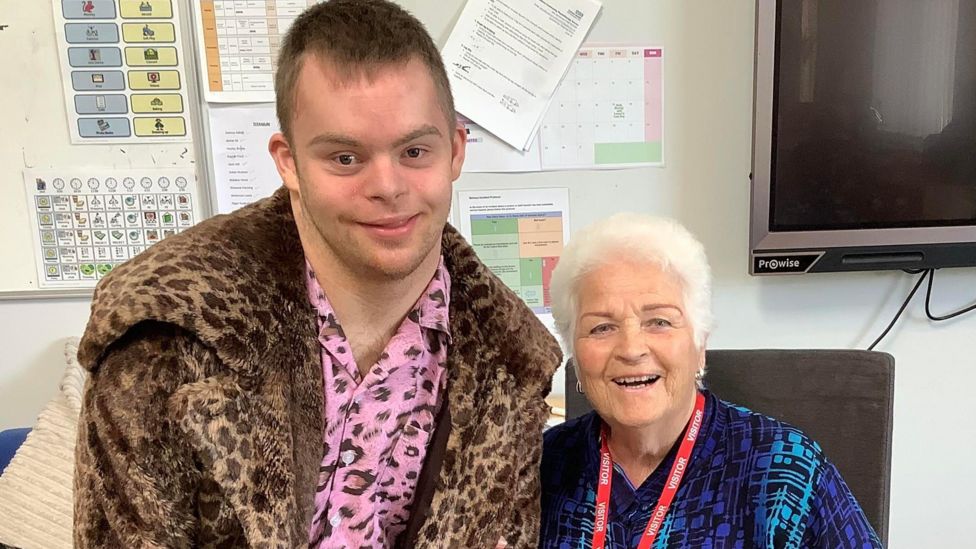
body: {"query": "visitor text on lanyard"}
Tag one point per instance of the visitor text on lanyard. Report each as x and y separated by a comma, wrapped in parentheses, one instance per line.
(667, 495)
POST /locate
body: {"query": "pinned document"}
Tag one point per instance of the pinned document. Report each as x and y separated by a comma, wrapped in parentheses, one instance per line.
(506, 58)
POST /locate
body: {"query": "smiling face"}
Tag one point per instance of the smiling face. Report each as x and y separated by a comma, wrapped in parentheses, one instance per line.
(370, 167)
(634, 346)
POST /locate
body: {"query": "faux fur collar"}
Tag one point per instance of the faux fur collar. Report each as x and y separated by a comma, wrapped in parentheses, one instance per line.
(232, 278)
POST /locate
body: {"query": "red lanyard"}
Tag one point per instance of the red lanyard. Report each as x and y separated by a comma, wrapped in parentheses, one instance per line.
(670, 489)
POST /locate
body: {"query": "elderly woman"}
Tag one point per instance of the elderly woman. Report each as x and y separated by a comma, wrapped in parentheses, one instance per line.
(662, 462)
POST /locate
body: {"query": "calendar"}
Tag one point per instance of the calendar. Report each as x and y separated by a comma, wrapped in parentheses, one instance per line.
(607, 112)
(85, 223)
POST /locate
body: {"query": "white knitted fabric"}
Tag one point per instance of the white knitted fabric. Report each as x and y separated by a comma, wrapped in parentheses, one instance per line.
(36, 487)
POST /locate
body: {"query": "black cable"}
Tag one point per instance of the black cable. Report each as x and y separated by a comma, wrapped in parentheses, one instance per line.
(928, 299)
(918, 284)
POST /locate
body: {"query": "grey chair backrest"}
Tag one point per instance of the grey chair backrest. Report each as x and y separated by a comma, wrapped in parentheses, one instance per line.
(842, 399)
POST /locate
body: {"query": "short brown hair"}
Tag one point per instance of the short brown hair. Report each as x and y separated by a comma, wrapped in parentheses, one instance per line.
(356, 35)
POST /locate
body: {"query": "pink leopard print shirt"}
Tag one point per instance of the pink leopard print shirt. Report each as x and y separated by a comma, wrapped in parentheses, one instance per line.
(377, 428)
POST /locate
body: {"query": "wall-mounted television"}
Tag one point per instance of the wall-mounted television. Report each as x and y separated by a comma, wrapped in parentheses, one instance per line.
(864, 135)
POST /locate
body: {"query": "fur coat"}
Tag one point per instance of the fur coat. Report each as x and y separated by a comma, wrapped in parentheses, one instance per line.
(202, 422)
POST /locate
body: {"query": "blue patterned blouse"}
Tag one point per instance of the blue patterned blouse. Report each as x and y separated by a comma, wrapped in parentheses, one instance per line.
(752, 482)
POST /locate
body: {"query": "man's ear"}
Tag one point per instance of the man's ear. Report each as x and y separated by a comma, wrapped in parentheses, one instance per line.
(284, 159)
(458, 147)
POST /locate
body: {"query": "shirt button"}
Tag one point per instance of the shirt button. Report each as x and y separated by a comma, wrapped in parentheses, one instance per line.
(335, 520)
(348, 457)
(358, 399)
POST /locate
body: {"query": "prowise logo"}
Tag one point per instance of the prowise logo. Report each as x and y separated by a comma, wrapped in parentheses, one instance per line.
(783, 264)
(774, 264)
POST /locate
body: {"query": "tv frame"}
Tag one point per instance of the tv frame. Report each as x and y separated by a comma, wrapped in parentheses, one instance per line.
(797, 252)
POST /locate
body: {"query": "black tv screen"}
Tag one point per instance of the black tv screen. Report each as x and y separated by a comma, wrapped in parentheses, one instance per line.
(875, 114)
(871, 118)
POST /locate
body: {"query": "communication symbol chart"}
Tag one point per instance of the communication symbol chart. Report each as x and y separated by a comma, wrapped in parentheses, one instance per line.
(84, 223)
(122, 70)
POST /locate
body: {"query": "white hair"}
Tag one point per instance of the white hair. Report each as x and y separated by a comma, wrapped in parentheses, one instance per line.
(640, 238)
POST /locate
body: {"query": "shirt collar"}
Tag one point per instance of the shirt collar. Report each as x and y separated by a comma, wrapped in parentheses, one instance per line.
(430, 310)
(434, 302)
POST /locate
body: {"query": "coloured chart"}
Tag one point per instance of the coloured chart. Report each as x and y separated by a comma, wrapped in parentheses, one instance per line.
(518, 234)
(607, 112)
(240, 46)
(86, 223)
(522, 250)
(122, 68)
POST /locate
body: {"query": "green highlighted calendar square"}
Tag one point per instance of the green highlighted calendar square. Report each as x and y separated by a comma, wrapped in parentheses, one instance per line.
(627, 153)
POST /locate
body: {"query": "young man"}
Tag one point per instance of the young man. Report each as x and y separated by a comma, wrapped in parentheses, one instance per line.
(332, 366)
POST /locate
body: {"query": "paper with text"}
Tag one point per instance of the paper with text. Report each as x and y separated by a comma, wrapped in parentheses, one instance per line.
(505, 59)
(518, 234)
(243, 168)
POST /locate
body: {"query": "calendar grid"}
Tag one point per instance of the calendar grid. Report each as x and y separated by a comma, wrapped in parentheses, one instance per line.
(607, 111)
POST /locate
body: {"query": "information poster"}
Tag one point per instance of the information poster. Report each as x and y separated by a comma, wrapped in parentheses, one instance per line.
(505, 59)
(86, 222)
(519, 234)
(243, 168)
(122, 70)
(238, 46)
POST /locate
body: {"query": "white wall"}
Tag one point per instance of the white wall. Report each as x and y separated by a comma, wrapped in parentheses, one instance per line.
(708, 106)
(32, 339)
(34, 134)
